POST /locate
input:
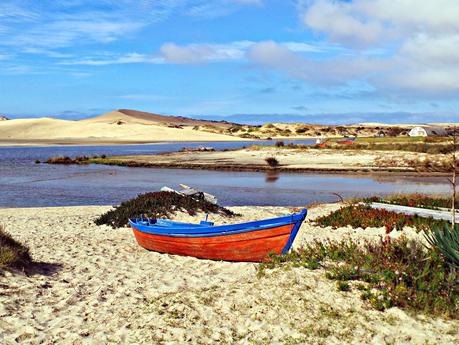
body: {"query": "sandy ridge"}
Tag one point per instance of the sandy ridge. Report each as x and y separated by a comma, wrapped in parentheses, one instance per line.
(109, 128)
(294, 160)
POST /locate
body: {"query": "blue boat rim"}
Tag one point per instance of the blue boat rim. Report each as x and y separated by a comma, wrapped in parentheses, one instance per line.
(197, 230)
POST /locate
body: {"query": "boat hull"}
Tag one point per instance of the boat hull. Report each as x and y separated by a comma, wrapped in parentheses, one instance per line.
(253, 246)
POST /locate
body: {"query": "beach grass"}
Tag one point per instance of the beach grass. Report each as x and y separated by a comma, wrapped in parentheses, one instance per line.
(12, 253)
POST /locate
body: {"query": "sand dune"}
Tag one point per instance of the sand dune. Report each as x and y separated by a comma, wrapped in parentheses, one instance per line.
(141, 117)
(111, 127)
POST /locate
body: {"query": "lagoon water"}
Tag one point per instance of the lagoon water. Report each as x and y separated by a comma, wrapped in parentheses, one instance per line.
(26, 184)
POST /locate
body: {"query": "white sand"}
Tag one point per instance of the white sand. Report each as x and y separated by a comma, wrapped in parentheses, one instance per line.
(101, 129)
(110, 290)
(289, 159)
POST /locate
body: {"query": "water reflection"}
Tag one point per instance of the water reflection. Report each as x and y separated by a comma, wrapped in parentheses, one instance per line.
(272, 176)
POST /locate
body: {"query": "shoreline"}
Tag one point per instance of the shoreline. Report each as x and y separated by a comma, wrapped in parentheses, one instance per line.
(253, 159)
(59, 143)
(256, 168)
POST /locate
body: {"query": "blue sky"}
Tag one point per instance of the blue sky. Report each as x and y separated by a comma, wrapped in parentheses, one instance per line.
(325, 60)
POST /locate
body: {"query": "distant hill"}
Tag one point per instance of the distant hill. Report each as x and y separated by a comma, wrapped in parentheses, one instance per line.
(3, 118)
(119, 126)
(342, 119)
(142, 117)
(133, 126)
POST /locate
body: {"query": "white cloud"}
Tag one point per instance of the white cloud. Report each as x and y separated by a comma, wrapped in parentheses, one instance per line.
(191, 54)
(67, 32)
(403, 46)
(10, 10)
(51, 25)
(370, 21)
(342, 23)
(16, 70)
(201, 53)
(172, 53)
(272, 55)
(426, 80)
(301, 47)
(438, 50)
(217, 8)
(390, 75)
(115, 60)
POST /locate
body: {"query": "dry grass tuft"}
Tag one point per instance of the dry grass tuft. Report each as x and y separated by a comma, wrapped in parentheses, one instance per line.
(12, 253)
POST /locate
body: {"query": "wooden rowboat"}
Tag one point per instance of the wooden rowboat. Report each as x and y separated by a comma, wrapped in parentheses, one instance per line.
(251, 241)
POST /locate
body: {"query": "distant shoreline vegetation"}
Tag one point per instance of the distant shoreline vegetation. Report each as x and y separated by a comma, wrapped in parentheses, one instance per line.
(437, 145)
(66, 160)
(380, 168)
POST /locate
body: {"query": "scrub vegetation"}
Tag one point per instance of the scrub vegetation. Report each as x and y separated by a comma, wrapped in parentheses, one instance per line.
(415, 200)
(272, 162)
(66, 160)
(398, 273)
(158, 205)
(363, 216)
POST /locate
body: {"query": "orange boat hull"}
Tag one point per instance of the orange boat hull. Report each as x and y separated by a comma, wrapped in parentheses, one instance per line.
(248, 246)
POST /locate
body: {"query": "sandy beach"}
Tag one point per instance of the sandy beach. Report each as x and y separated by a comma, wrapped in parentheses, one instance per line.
(96, 285)
(293, 160)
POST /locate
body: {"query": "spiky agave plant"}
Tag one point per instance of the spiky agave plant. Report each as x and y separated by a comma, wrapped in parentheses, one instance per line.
(446, 239)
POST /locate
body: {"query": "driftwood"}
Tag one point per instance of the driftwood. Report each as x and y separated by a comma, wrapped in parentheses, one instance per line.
(193, 192)
(198, 149)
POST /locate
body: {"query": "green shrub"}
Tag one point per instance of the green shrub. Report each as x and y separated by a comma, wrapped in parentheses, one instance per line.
(402, 273)
(363, 216)
(67, 160)
(301, 130)
(12, 253)
(272, 162)
(59, 160)
(156, 205)
(343, 286)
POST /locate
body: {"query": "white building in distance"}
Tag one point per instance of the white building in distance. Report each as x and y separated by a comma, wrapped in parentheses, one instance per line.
(427, 131)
